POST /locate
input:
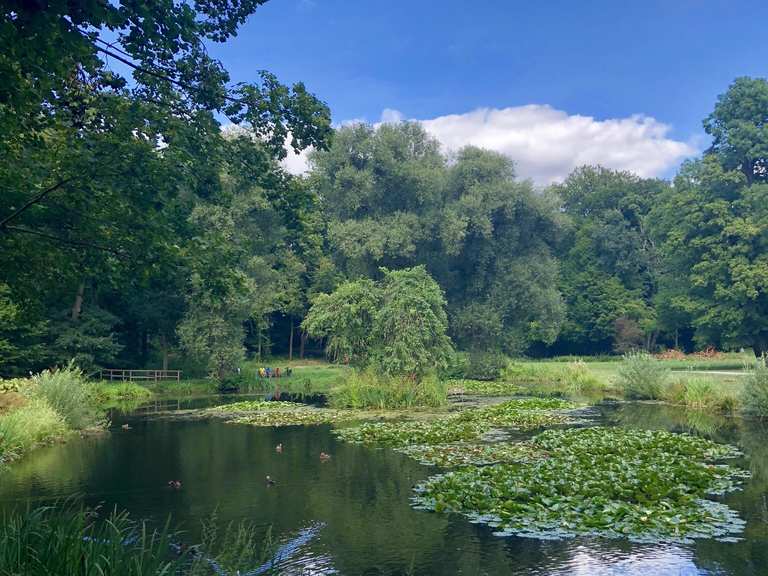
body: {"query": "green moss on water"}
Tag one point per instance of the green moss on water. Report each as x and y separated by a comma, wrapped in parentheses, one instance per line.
(644, 485)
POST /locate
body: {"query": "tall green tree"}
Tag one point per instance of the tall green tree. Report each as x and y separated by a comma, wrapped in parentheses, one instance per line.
(609, 262)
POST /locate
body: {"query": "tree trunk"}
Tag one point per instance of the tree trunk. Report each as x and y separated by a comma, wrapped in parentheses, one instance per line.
(677, 339)
(164, 347)
(302, 341)
(290, 344)
(77, 307)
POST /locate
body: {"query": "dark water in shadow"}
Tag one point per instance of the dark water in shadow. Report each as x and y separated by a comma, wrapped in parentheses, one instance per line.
(361, 495)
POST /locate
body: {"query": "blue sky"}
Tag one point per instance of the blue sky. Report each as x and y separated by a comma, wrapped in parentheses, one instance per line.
(578, 60)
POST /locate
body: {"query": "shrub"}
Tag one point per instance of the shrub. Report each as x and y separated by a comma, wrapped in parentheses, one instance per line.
(642, 376)
(367, 389)
(31, 424)
(755, 395)
(577, 377)
(67, 391)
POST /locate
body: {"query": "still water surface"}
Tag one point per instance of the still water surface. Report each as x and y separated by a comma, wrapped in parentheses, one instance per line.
(360, 497)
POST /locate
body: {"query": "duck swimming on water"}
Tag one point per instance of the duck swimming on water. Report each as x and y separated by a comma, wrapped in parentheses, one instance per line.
(269, 480)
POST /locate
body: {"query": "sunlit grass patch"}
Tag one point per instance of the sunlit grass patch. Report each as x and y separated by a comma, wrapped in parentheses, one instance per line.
(645, 485)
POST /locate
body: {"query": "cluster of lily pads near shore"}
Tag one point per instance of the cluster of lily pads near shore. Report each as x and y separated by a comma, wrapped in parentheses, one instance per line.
(571, 479)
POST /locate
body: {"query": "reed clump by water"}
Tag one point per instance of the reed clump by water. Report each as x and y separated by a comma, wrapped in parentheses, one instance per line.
(46, 408)
(755, 394)
(641, 376)
(70, 539)
(68, 393)
(368, 389)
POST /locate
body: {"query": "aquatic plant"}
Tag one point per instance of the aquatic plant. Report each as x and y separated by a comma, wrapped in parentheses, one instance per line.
(300, 416)
(34, 423)
(521, 414)
(256, 405)
(609, 482)
(641, 376)
(368, 389)
(755, 394)
(466, 454)
(438, 431)
(483, 387)
(578, 378)
(69, 540)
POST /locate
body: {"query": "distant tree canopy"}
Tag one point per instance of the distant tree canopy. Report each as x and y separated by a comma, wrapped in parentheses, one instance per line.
(136, 231)
(392, 199)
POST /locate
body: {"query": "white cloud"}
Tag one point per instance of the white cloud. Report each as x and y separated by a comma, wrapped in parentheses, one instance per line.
(547, 144)
(390, 116)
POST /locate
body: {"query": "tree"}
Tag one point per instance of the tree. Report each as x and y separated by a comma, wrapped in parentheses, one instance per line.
(392, 200)
(346, 319)
(609, 264)
(713, 234)
(399, 324)
(739, 129)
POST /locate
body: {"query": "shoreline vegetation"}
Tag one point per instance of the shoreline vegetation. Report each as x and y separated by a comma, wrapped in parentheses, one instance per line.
(53, 405)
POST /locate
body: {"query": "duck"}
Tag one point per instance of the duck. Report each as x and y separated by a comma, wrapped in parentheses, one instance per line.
(175, 484)
(269, 480)
(279, 448)
(126, 426)
(324, 456)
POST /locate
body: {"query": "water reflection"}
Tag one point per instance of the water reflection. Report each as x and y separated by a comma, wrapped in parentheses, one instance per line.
(362, 497)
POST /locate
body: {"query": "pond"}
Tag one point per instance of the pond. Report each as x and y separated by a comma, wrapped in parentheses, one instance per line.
(359, 498)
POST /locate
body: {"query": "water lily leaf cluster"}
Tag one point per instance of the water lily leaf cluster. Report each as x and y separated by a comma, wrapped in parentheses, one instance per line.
(257, 405)
(609, 482)
(469, 454)
(484, 387)
(521, 414)
(405, 433)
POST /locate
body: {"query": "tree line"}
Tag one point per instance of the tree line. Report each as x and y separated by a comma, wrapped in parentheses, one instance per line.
(138, 229)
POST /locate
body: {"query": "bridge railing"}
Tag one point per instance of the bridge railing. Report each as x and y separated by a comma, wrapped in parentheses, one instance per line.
(154, 375)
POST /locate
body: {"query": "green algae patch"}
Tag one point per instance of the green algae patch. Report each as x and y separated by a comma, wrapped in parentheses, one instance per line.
(295, 417)
(467, 454)
(644, 485)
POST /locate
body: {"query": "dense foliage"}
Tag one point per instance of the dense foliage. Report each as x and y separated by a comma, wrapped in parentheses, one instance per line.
(145, 219)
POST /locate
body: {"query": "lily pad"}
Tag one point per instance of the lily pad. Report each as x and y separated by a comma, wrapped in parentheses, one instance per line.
(644, 485)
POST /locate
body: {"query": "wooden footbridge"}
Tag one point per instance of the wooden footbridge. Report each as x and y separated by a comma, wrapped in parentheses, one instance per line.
(131, 375)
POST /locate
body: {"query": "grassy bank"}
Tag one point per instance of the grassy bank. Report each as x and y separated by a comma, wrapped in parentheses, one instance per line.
(45, 408)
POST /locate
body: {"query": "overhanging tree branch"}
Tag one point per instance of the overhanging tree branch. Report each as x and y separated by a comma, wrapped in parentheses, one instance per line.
(33, 201)
(78, 243)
